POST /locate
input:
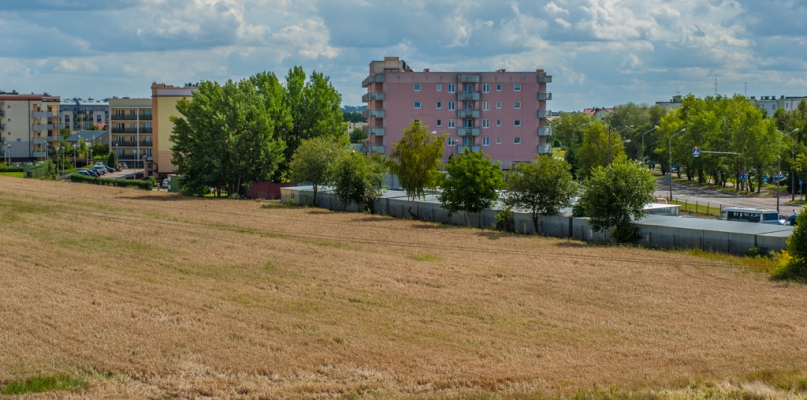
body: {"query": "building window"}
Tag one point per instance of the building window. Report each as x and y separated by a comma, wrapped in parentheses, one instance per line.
(452, 141)
(439, 87)
(452, 88)
(485, 105)
(469, 87)
(485, 141)
(417, 105)
(467, 105)
(486, 88)
(417, 87)
(131, 112)
(498, 87)
(498, 122)
(451, 123)
(516, 122)
(486, 123)
(467, 123)
(517, 87)
(498, 105)
(439, 105)
(516, 140)
(499, 140)
(517, 105)
(439, 122)
(450, 106)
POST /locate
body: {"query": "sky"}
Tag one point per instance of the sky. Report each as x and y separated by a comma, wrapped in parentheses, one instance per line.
(600, 52)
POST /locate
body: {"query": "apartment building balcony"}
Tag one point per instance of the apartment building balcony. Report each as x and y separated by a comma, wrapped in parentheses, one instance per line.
(544, 78)
(468, 78)
(2, 113)
(372, 79)
(373, 113)
(54, 138)
(39, 140)
(545, 96)
(467, 114)
(127, 130)
(40, 154)
(544, 149)
(145, 117)
(377, 149)
(543, 113)
(544, 131)
(40, 127)
(468, 131)
(468, 96)
(372, 96)
(124, 143)
(2, 127)
(42, 114)
(116, 117)
(373, 130)
(463, 149)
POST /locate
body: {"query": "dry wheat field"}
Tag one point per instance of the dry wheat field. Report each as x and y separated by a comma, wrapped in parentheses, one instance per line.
(155, 295)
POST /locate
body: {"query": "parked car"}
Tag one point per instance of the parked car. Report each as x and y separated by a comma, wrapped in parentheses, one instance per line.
(109, 169)
(121, 165)
(84, 172)
(16, 164)
(28, 164)
(100, 170)
(88, 172)
(99, 165)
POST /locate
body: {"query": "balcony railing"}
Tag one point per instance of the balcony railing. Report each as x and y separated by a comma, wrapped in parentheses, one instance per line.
(543, 113)
(468, 114)
(468, 131)
(131, 130)
(468, 96)
(40, 127)
(145, 117)
(377, 149)
(544, 78)
(468, 78)
(117, 117)
(545, 96)
(463, 149)
(131, 143)
(544, 149)
(372, 79)
(2, 113)
(372, 96)
(42, 114)
(39, 140)
(2, 127)
(373, 113)
(55, 138)
(544, 131)
(40, 154)
(373, 130)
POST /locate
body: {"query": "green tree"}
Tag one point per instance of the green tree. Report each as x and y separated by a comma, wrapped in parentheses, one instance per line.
(415, 159)
(357, 135)
(315, 111)
(357, 178)
(794, 263)
(594, 150)
(471, 183)
(542, 187)
(614, 195)
(112, 160)
(274, 100)
(65, 133)
(93, 128)
(567, 128)
(224, 138)
(353, 117)
(312, 162)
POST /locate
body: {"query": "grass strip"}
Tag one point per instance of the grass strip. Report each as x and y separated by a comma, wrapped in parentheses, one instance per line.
(39, 384)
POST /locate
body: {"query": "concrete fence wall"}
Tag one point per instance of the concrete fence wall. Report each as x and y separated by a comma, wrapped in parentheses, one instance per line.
(655, 235)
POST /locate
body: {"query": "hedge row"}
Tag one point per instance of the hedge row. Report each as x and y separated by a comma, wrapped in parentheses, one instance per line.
(12, 169)
(133, 183)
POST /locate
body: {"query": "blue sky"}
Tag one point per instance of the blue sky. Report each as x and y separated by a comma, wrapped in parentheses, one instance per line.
(600, 52)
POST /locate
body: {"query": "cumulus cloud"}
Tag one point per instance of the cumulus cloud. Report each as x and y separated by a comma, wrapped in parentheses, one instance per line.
(602, 52)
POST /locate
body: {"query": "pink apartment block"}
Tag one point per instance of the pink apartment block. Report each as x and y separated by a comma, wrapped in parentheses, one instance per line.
(502, 114)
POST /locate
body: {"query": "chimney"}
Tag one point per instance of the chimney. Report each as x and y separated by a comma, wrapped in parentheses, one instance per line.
(501, 70)
(425, 70)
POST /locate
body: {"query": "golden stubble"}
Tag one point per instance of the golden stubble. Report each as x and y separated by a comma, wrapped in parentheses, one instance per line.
(152, 295)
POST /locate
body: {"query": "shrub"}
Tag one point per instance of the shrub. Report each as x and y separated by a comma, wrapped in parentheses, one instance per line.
(505, 220)
(145, 185)
(793, 263)
(12, 169)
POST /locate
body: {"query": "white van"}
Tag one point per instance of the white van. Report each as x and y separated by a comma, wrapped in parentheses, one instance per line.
(749, 215)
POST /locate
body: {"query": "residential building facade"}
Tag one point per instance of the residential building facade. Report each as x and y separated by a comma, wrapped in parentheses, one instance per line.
(504, 114)
(79, 115)
(29, 125)
(770, 104)
(677, 101)
(164, 99)
(130, 130)
(600, 114)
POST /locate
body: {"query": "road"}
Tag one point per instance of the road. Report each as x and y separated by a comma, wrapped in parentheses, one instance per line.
(703, 195)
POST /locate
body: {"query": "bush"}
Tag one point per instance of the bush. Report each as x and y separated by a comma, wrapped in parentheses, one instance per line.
(145, 185)
(505, 220)
(12, 169)
(793, 263)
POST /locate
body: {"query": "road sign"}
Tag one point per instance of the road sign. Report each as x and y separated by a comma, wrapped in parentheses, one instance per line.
(696, 152)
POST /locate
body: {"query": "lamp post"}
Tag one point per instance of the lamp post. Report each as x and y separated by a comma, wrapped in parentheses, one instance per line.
(670, 166)
(779, 164)
(618, 144)
(609, 140)
(641, 157)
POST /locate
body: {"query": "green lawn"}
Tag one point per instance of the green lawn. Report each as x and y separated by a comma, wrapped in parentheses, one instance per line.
(13, 174)
(697, 208)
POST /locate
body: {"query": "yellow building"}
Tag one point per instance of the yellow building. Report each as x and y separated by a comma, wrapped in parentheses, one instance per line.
(29, 125)
(164, 99)
(131, 130)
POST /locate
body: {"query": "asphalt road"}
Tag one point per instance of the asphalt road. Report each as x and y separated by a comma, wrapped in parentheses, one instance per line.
(703, 195)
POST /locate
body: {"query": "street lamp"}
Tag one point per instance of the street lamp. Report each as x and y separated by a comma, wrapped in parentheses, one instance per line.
(642, 155)
(618, 144)
(670, 165)
(609, 140)
(779, 166)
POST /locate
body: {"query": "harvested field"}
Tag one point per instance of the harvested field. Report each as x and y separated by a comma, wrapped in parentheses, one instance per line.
(145, 294)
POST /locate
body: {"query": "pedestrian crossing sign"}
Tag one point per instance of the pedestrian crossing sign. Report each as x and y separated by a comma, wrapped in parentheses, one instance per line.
(696, 152)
